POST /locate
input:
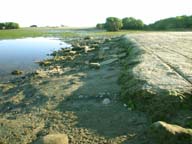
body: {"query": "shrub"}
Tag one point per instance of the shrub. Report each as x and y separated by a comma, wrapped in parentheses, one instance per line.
(100, 26)
(113, 24)
(179, 22)
(132, 23)
(2, 26)
(9, 25)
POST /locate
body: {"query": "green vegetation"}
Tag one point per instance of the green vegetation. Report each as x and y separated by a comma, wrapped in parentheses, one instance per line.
(129, 23)
(100, 26)
(113, 24)
(37, 32)
(9, 25)
(179, 22)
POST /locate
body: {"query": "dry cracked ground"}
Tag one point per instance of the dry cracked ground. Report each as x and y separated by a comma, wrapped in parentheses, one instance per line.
(78, 91)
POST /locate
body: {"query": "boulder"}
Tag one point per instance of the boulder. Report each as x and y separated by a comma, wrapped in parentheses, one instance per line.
(17, 72)
(164, 133)
(53, 139)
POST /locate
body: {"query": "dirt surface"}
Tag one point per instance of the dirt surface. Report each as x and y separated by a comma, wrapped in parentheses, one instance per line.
(72, 96)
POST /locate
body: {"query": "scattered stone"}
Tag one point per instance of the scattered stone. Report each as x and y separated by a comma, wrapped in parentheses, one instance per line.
(106, 48)
(86, 49)
(124, 105)
(101, 54)
(122, 55)
(41, 73)
(88, 38)
(94, 65)
(72, 52)
(53, 139)
(107, 40)
(109, 61)
(80, 96)
(129, 109)
(86, 62)
(17, 72)
(164, 133)
(106, 101)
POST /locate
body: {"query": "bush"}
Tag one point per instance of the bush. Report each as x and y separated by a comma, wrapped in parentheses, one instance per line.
(113, 24)
(100, 26)
(132, 23)
(2, 26)
(9, 25)
(179, 22)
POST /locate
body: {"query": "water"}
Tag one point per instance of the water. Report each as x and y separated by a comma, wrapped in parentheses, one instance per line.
(22, 53)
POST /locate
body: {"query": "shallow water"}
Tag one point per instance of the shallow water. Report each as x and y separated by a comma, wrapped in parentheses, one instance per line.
(22, 53)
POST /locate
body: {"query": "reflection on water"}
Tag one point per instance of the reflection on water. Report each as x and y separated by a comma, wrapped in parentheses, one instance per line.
(22, 53)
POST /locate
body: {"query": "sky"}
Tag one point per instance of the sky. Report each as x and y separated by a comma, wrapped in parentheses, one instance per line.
(87, 13)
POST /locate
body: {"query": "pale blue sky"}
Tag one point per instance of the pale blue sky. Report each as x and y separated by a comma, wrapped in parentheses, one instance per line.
(88, 12)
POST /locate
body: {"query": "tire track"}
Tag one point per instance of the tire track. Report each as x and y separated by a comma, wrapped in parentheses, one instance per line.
(179, 73)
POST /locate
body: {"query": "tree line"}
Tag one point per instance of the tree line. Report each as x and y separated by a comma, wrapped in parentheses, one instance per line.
(130, 23)
(9, 25)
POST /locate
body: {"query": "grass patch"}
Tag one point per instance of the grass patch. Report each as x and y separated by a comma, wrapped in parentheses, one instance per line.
(60, 32)
(36, 32)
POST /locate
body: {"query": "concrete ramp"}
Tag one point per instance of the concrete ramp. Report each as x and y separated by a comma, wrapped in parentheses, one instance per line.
(157, 74)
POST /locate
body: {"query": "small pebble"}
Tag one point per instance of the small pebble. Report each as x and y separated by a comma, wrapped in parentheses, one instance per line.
(106, 101)
(80, 96)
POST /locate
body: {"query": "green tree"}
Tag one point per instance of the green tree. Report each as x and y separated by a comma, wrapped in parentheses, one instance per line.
(11, 25)
(113, 24)
(132, 23)
(2, 26)
(100, 26)
(179, 22)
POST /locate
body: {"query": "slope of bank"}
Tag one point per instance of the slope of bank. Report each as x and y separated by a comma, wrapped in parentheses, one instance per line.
(157, 75)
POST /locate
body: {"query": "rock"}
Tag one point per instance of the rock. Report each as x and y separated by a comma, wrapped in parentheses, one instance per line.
(94, 65)
(125, 105)
(80, 96)
(53, 139)
(76, 47)
(72, 52)
(106, 48)
(106, 101)
(101, 54)
(17, 72)
(122, 55)
(164, 133)
(44, 63)
(88, 38)
(107, 40)
(86, 49)
(41, 73)
(86, 62)
(109, 61)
